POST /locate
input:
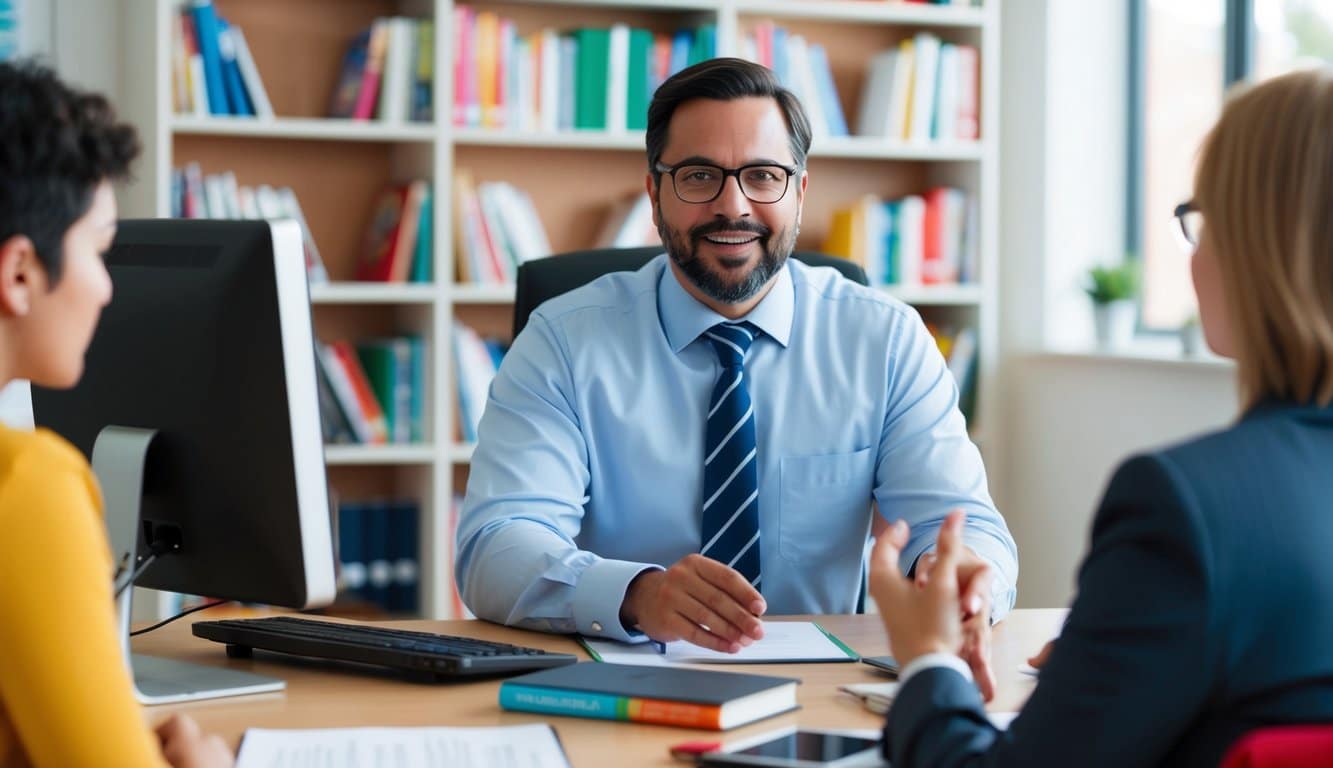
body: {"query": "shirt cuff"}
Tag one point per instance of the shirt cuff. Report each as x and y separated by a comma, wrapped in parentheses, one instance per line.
(599, 595)
(932, 661)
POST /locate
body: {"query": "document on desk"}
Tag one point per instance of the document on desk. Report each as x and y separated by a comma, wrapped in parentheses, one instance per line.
(518, 746)
(785, 642)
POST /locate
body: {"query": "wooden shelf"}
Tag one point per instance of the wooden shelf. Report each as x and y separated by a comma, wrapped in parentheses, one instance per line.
(324, 129)
(867, 12)
(482, 293)
(352, 455)
(371, 293)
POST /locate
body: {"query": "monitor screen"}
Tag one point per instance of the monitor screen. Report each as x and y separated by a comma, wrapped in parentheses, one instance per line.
(208, 340)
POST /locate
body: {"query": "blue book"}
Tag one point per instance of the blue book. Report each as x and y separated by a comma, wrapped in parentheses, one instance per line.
(891, 243)
(828, 91)
(206, 30)
(418, 383)
(780, 67)
(681, 43)
(379, 569)
(404, 543)
(348, 88)
(351, 550)
(238, 99)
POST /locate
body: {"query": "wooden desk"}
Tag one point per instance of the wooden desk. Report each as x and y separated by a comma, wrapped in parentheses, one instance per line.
(319, 696)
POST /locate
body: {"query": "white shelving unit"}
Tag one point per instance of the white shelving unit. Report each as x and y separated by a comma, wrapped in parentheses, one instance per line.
(337, 166)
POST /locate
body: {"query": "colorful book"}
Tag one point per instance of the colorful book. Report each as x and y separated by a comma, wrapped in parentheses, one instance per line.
(380, 247)
(206, 37)
(689, 698)
(368, 94)
(591, 69)
(348, 88)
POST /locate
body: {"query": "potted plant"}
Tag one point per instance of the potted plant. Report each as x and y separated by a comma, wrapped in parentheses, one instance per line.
(1114, 311)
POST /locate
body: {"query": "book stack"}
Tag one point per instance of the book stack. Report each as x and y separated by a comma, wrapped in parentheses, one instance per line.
(219, 196)
(378, 545)
(476, 360)
(802, 68)
(586, 79)
(212, 71)
(399, 242)
(928, 239)
(388, 73)
(924, 90)
(690, 698)
(372, 393)
(496, 228)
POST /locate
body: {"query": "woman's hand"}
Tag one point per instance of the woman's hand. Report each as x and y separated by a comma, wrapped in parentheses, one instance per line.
(185, 746)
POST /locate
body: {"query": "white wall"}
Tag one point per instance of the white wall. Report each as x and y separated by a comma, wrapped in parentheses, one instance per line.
(1068, 420)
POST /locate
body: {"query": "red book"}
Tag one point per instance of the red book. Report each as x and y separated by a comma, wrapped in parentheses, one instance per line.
(365, 396)
(380, 249)
(933, 266)
(370, 77)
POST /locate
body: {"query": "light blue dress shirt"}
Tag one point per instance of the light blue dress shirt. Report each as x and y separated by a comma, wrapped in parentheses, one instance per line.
(589, 465)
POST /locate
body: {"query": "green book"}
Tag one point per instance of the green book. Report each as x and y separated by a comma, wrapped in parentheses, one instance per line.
(422, 259)
(636, 98)
(591, 72)
(377, 358)
(705, 44)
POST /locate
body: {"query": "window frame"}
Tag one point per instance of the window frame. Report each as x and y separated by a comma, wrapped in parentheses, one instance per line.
(1237, 64)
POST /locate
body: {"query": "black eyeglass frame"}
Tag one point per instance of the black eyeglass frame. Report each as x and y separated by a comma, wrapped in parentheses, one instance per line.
(1180, 212)
(670, 170)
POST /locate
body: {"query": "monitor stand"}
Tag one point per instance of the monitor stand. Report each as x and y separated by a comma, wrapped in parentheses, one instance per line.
(119, 456)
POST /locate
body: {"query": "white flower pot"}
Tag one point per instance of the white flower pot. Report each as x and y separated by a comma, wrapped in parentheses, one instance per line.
(1114, 323)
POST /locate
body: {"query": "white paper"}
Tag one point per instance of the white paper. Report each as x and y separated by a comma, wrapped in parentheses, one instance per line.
(518, 746)
(784, 641)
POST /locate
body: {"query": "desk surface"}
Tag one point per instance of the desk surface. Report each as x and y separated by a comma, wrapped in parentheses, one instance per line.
(320, 696)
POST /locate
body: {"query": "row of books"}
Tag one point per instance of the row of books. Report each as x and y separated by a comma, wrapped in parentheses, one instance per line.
(212, 71)
(584, 79)
(219, 196)
(928, 239)
(959, 348)
(399, 245)
(476, 361)
(372, 392)
(923, 90)
(803, 69)
(496, 228)
(379, 541)
(388, 71)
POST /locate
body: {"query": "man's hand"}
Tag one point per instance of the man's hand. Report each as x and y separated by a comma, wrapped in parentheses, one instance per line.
(919, 619)
(185, 746)
(974, 583)
(698, 599)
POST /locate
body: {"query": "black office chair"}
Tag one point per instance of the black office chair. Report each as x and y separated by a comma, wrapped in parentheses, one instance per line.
(543, 279)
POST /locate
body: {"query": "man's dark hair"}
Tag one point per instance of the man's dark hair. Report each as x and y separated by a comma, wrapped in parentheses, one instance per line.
(56, 145)
(723, 80)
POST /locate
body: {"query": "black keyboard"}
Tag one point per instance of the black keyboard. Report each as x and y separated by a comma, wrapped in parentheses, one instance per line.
(436, 656)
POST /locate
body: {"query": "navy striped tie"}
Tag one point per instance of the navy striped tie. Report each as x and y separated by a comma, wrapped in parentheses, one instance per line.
(731, 466)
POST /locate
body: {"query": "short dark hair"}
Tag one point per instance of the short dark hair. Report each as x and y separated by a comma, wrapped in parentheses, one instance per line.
(724, 79)
(56, 145)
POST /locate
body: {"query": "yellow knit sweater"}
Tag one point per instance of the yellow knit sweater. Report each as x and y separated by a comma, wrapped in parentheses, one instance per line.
(65, 695)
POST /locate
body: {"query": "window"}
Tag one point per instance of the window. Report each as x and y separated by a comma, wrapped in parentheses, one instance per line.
(1183, 54)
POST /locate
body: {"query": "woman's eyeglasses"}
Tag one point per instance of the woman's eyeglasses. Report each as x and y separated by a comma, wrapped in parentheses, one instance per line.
(1190, 225)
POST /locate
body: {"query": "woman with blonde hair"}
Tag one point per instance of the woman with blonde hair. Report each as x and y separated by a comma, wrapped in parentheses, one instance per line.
(1205, 603)
(65, 694)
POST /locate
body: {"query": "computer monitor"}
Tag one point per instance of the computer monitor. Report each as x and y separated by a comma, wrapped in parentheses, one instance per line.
(199, 412)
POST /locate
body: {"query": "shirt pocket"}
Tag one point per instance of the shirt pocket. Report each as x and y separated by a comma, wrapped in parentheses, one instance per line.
(824, 509)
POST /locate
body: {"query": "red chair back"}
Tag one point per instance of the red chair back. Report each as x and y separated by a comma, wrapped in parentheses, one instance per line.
(1286, 746)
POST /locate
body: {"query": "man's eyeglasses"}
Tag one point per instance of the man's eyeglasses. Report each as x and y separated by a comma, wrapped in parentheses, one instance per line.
(1190, 222)
(698, 184)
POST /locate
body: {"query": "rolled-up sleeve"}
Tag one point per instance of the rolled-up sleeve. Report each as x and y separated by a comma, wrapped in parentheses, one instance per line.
(928, 465)
(517, 562)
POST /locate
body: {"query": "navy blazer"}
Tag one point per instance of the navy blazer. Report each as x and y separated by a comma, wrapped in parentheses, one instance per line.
(1204, 610)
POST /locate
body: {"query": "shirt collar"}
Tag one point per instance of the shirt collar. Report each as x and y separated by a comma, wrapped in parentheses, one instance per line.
(684, 318)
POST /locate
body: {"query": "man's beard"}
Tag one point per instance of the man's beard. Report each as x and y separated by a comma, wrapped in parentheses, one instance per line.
(776, 247)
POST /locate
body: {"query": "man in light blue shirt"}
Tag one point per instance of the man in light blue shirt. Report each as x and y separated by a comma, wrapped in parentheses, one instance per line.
(674, 452)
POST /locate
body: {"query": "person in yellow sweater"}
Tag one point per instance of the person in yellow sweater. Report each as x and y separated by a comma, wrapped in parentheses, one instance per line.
(65, 693)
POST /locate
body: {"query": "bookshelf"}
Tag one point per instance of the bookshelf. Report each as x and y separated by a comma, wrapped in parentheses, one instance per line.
(337, 168)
